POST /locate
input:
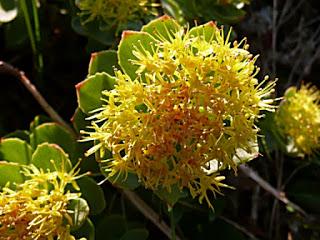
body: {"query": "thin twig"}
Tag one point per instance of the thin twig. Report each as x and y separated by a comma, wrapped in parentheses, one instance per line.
(287, 15)
(9, 69)
(173, 224)
(239, 227)
(148, 212)
(266, 186)
(274, 36)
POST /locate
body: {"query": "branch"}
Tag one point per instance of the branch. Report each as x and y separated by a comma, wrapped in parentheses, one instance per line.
(6, 68)
(281, 196)
(286, 15)
(148, 212)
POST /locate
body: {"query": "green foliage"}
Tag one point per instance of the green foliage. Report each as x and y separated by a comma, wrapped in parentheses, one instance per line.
(50, 157)
(93, 194)
(104, 61)
(89, 91)
(16, 151)
(128, 44)
(53, 133)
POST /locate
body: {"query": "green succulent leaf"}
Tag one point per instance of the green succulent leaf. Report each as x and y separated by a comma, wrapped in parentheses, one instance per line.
(104, 61)
(89, 91)
(54, 133)
(50, 157)
(79, 121)
(88, 164)
(16, 151)
(21, 134)
(80, 212)
(207, 31)
(162, 28)
(132, 41)
(93, 194)
(38, 120)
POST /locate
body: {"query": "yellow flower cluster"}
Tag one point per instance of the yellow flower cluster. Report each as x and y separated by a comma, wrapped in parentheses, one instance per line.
(184, 119)
(37, 208)
(298, 118)
(115, 12)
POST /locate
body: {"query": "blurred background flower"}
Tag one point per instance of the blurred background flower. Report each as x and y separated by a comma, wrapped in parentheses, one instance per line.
(298, 119)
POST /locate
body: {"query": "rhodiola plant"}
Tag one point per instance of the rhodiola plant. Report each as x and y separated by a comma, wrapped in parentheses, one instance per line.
(172, 108)
(44, 194)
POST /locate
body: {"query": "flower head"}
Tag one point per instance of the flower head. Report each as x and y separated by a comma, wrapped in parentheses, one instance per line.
(192, 107)
(115, 12)
(298, 118)
(38, 208)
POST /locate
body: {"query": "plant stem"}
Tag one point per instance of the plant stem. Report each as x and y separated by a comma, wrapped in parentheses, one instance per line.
(172, 222)
(34, 34)
(274, 36)
(149, 213)
(9, 69)
(281, 196)
(37, 34)
(25, 11)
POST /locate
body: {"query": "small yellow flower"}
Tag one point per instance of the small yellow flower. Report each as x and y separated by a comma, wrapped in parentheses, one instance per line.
(298, 118)
(187, 117)
(115, 12)
(37, 208)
